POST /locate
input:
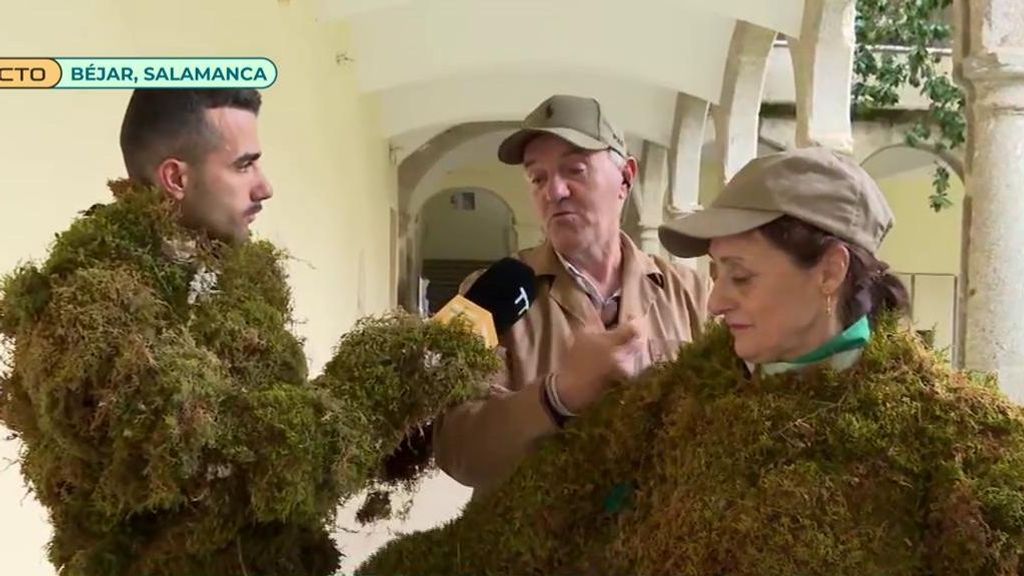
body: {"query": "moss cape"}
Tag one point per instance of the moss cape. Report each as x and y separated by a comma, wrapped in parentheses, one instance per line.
(898, 465)
(163, 406)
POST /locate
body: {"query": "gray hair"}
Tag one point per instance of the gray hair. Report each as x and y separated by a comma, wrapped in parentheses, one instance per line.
(620, 162)
(617, 158)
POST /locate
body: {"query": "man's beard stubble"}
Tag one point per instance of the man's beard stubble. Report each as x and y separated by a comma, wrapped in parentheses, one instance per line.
(204, 211)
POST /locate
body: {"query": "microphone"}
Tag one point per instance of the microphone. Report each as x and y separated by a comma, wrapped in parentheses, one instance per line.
(496, 300)
(506, 290)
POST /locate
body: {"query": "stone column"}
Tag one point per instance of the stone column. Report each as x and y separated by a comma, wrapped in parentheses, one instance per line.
(685, 153)
(406, 246)
(649, 241)
(990, 64)
(650, 198)
(414, 262)
(737, 115)
(823, 69)
(684, 160)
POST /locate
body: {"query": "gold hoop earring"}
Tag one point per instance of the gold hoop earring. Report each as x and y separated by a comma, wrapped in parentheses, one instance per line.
(828, 304)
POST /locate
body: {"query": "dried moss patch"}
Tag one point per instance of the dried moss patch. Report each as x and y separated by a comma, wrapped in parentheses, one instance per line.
(897, 466)
(164, 410)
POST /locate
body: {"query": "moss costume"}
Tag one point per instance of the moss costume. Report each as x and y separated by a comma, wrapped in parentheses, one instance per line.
(896, 465)
(166, 418)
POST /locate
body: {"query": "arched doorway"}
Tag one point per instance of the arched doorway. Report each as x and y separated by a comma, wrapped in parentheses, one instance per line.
(462, 230)
(925, 246)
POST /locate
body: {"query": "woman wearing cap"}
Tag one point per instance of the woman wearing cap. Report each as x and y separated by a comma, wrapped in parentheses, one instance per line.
(806, 434)
(793, 239)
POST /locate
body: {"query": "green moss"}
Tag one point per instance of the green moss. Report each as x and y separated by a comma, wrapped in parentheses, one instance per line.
(897, 466)
(166, 418)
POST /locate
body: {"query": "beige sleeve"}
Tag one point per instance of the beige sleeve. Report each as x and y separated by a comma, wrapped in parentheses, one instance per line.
(480, 443)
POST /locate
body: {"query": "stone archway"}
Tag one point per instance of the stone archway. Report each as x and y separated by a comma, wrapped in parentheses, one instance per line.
(463, 157)
(461, 230)
(925, 247)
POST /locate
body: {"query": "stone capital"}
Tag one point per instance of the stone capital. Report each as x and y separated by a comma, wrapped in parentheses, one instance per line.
(672, 212)
(999, 65)
(996, 78)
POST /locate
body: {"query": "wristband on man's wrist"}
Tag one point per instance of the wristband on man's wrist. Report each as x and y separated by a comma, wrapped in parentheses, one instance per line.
(556, 409)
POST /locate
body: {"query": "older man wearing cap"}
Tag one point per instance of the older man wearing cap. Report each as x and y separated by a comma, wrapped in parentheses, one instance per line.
(604, 309)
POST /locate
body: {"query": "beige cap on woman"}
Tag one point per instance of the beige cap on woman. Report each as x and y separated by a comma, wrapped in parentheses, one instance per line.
(817, 185)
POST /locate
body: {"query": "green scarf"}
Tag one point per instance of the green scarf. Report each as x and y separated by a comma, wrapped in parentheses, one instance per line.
(852, 339)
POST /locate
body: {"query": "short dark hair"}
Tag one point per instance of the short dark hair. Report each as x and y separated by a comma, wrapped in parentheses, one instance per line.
(869, 289)
(163, 123)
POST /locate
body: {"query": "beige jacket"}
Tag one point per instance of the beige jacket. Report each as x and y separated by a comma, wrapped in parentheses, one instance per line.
(480, 443)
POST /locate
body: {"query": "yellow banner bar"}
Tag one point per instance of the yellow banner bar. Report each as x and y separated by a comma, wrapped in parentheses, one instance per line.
(29, 73)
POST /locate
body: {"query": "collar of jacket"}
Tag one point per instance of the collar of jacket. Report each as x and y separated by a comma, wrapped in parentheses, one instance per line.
(642, 281)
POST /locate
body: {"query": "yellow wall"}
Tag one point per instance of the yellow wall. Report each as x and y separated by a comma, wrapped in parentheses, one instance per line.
(922, 241)
(323, 151)
(924, 246)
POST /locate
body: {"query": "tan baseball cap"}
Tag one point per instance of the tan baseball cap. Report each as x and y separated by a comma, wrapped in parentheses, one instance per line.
(817, 185)
(578, 120)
